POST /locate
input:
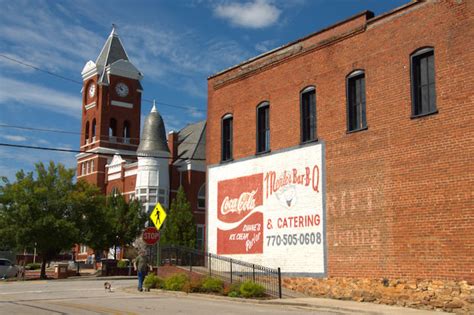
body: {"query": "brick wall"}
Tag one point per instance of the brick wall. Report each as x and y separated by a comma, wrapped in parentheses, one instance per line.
(399, 194)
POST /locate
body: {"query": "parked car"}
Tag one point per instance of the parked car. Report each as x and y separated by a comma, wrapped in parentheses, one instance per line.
(7, 269)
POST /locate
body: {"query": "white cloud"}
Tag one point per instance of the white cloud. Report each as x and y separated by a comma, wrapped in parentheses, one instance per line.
(38, 96)
(265, 46)
(159, 52)
(14, 138)
(196, 113)
(256, 14)
(45, 38)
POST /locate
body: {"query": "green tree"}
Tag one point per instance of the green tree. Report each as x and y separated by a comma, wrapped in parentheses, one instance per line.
(90, 215)
(180, 228)
(125, 221)
(40, 211)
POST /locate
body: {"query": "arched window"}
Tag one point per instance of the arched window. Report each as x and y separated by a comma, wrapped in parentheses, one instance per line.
(263, 127)
(201, 197)
(112, 130)
(423, 91)
(93, 130)
(355, 89)
(226, 148)
(126, 132)
(115, 191)
(86, 137)
(308, 114)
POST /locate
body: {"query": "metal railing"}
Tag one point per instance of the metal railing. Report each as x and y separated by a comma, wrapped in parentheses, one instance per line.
(228, 269)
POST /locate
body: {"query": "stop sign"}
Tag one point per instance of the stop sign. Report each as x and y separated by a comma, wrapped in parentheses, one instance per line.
(151, 235)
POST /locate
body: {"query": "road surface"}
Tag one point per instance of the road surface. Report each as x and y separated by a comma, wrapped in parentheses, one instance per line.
(89, 297)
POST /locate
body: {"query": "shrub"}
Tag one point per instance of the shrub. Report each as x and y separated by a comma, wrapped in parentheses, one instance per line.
(233, 290)
(152, 281)
(193, 286)
(211, 284)
(176, 282)
(122, 264)
(249, 289)
(33, 266)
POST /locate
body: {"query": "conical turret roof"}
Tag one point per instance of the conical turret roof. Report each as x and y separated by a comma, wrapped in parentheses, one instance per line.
(153, 138)
(112, 51)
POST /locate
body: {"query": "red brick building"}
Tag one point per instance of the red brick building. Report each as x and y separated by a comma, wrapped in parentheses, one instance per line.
(382, 106)
(116, 158)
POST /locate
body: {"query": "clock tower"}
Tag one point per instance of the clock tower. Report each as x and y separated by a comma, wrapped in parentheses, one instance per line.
(111, 107)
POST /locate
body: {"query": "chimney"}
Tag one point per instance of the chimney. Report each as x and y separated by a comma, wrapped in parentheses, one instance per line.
(173, 145)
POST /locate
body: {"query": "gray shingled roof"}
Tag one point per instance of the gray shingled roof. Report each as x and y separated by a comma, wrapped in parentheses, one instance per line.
(153, 138)
(192, 142)
(112, 51)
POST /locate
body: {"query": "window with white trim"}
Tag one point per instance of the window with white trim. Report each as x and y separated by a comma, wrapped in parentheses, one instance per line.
(93, 129)
(200, 236)
(126, 132)
(201, 197)
(83, 248)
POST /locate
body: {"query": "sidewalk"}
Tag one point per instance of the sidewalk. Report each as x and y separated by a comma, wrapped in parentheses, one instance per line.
(316, 304)
(350, 306)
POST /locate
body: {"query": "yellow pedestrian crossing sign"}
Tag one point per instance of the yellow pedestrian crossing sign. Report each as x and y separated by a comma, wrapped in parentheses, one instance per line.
(158, 216)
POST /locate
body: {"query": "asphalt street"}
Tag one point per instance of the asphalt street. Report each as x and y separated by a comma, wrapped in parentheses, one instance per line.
(89, 297)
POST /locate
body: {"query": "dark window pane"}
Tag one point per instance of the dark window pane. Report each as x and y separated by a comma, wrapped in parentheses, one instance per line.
(431, 70)
(424, 99)
(308, 116)
(356, 102)
(424, 71)
(263, 129)
(227, 139)
(423, 83)
(432, 98)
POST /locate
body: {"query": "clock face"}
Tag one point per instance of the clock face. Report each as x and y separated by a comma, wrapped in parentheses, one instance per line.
(121, 89)
(92, 90)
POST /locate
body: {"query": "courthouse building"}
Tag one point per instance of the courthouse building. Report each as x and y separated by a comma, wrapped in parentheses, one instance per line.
(346, 158)
(150, 167)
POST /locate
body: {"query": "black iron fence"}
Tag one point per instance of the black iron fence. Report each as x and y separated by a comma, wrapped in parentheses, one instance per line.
(225, 268)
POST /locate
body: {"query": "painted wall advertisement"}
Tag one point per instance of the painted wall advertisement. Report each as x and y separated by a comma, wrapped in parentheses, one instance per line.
(269, 210)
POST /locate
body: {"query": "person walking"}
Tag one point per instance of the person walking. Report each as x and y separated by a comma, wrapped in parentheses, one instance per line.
(141, 266)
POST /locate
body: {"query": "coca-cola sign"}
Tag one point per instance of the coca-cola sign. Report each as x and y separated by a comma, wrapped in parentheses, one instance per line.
(239, 196)
(237, 200)
(245, 202)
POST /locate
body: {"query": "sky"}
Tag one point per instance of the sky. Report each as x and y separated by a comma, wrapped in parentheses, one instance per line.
(176, 44)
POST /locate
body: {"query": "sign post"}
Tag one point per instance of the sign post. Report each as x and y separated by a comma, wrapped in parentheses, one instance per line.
(158, 216)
